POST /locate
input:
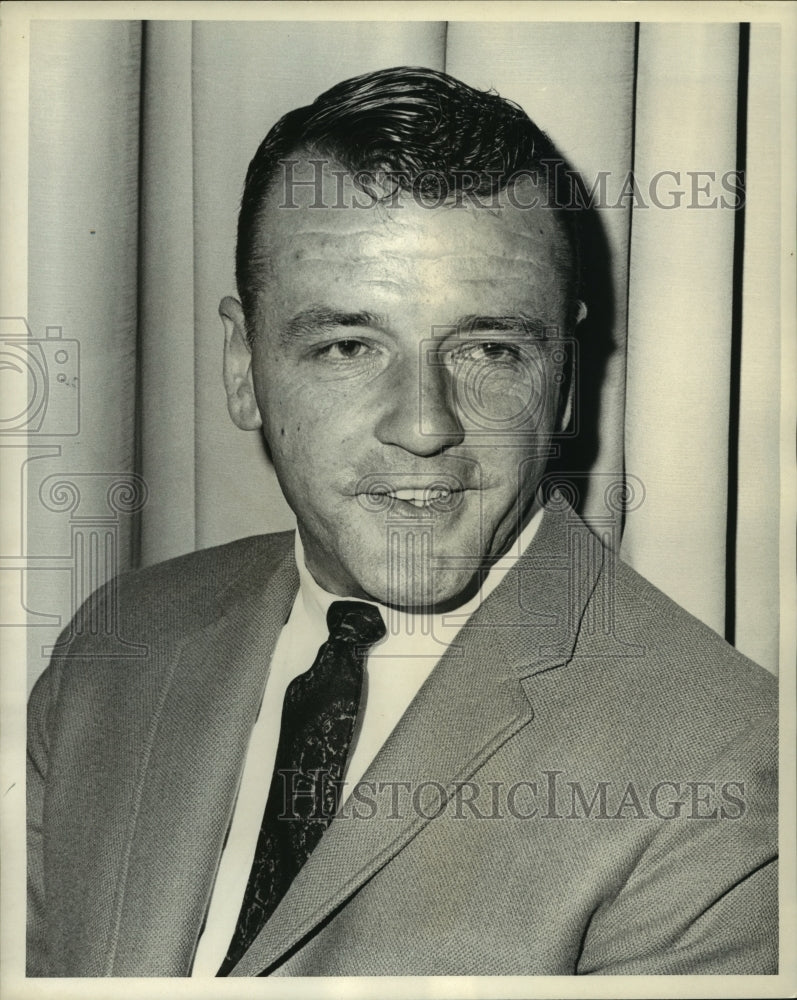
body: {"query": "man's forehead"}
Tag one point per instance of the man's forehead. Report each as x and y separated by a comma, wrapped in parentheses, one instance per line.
(312, 201)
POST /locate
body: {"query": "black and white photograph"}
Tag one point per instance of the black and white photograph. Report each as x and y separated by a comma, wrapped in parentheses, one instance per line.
(398, 506)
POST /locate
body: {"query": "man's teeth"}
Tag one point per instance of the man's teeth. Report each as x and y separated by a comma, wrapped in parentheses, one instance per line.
(421, 498)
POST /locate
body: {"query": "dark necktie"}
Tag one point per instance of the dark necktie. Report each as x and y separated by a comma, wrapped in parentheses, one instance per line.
(318, 717)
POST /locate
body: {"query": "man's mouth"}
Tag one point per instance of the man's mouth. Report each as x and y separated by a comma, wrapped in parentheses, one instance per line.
(442, 494)
(431, 496)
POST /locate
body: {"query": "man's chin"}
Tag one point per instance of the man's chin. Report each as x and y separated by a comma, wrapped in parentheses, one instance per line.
(445, 592)
(409, 569)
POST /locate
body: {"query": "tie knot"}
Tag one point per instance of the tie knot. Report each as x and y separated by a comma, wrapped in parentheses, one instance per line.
(356, 622)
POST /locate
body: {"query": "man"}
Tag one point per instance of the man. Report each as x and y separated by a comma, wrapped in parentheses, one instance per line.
(529, 761)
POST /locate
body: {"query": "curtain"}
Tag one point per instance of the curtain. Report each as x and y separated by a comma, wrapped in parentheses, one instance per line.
(140, 134)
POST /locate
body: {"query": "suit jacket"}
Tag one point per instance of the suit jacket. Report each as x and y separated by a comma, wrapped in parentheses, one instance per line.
(522, 818)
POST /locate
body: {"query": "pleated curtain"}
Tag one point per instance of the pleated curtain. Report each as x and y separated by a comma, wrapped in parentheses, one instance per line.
(140, 134)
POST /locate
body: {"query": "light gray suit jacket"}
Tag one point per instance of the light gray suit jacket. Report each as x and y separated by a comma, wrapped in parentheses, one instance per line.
(577, 690)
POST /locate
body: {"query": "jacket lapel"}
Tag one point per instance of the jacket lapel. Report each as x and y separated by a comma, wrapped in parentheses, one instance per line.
(193, 766)
(472, 703)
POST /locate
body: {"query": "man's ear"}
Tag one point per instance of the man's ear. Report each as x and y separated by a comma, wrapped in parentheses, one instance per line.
(566, 412)
(241, 401)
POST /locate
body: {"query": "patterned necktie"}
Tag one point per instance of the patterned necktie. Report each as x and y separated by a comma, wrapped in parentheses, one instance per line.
(318, 717)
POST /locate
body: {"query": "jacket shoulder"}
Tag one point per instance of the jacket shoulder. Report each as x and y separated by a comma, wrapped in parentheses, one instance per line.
(162, 602)
(127, 631)
(673, 635)
(197, 582)
(664, 675)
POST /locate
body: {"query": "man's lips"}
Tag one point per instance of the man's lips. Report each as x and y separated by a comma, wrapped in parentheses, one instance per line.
(430, 496)
(441, 493)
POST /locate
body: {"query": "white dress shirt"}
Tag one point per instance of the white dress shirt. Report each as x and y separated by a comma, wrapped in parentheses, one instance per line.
(395, 668)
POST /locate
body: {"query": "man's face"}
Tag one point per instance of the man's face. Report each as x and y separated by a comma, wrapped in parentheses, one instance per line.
(407, 365)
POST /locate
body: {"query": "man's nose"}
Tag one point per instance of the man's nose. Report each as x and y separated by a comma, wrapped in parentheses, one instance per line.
(420, 408)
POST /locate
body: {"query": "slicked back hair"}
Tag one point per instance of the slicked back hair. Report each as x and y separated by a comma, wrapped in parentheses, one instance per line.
(425, 131)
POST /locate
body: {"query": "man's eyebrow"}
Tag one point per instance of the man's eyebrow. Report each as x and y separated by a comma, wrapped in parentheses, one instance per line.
(514, 323)
(319, 318)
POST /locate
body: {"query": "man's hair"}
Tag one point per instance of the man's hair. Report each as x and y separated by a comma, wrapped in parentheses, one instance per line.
(416, 129)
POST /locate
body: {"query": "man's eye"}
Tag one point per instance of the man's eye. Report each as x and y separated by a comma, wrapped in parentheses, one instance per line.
(344, 350)
(489, 350)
